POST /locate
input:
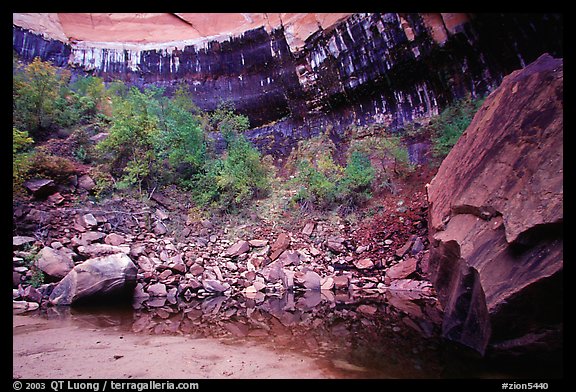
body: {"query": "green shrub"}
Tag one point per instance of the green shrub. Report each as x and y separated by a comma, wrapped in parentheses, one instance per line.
(326, 185)
(451, 123)
(181, 139)
(228, 183)
(20, 158)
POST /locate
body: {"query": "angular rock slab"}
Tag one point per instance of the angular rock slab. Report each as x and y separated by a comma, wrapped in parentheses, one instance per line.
(496, 214)
(106, 276)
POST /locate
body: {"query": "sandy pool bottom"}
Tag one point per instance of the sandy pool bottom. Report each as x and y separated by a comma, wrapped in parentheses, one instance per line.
(61, 350)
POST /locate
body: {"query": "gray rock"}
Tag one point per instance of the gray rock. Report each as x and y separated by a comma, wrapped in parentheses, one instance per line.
(21, 240)
(312, 280)
(417, 247)
(157, 290)
(214, 286)
(88, 220)
(112, 275)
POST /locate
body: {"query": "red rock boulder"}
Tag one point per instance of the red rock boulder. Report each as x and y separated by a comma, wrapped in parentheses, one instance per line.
(496, 218)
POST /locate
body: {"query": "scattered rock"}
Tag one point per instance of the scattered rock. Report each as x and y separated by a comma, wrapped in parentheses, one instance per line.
(327, 283)
(88, 238)
(280, 245)
(308, 228)
(341, 282)
(368, 310)
(289, 257)
(159, 228)
(237, 249)
(258, 243)
(161, 214)
(88, 221)
(402, 269)
(56, 198)
(417, 247)
(312, 281)
(363, 263)
(40, 187)
(214, 286)
(97, 249)
(21, 240)
(32, 294)
(157, 290)
(24, 306)
(86, 182)
(404, 249)
(336, 245)
(114, 239)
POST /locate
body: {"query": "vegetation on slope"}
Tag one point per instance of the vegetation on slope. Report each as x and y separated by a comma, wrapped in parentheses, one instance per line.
(150, 140)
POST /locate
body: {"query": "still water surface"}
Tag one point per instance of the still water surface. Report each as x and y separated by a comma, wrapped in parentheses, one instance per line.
(392, 336)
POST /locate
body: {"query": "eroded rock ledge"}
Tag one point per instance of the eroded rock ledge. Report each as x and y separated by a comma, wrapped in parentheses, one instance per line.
(496, 218)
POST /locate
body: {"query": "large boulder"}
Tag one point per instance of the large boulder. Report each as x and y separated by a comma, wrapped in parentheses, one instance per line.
(98, 278)
(55, 263)
(496, 218)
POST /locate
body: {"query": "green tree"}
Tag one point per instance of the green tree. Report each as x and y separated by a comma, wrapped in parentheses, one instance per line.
(130, 147)
(37, 90)
(182, 139)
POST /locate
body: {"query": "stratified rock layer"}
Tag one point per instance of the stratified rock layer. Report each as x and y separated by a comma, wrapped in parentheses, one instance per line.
(296, 75)
(496, 217)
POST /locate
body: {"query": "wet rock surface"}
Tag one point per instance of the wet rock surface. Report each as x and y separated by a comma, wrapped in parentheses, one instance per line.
(496, 216)
(385, 68)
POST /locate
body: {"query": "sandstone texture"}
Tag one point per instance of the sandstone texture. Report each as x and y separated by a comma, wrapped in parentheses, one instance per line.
(97, 277)
(496, 216)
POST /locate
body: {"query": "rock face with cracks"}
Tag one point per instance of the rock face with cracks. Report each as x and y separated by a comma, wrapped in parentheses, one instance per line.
(496, 217)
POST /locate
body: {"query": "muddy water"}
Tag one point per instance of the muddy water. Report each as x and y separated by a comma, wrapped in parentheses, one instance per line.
(382, 337)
